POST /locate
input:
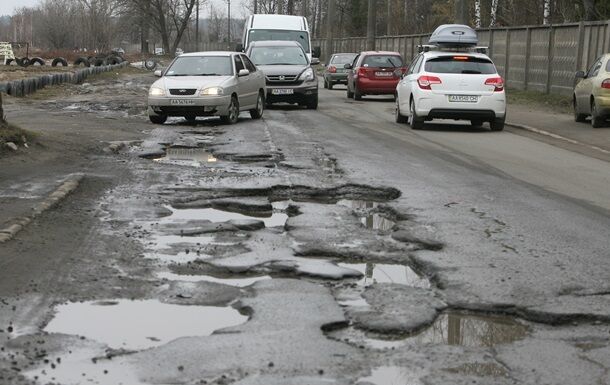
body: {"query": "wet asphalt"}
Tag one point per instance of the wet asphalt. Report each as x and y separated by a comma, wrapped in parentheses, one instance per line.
(314, 247)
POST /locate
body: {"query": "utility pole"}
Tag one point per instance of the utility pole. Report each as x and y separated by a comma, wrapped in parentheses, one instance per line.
(330, 21)
(255, 10)
(389, 25)
(229, 22)
(197, 27)
(461, 12)
(371, 25)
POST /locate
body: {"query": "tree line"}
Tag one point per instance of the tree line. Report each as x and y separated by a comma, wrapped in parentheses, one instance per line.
(105, 24)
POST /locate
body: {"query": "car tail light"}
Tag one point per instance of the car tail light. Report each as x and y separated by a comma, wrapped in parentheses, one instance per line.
(332, 69)
(362, 72)
(606, 83)
(497, 82)
(425, 82)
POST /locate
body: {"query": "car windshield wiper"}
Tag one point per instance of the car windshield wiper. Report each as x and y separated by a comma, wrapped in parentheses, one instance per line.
(284, 64)
(179, 75)
(210, 75)
(392, 63)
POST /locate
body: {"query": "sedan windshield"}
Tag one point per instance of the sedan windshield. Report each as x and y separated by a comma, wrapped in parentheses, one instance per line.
(201, 66)
(289, 55)
(460, 65)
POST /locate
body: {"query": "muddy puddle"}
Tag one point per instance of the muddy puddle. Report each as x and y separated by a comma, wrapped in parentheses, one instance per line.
(448, 329)
(385, 273)
(195, 157)
(276, 219)
(140, 324)
(370, 220)
(390, 375)
(238, 282)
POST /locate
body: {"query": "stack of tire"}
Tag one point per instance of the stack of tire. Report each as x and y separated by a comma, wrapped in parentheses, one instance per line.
(95, 61)
(25, 61)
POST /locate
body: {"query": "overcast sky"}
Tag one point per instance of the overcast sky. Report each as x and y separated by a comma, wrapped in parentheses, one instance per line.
(7, 7)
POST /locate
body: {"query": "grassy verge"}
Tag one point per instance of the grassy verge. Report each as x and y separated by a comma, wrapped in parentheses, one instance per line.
(13, 133)
(549, 102)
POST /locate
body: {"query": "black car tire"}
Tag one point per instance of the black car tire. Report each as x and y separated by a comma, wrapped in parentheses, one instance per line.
(312, 104)
(357, 94)
(82, 60)
(400, 118)
(476, 123)
(37, 60)
(497, 124)
(415, 121)
(257, 112)
(330, 84)
(578, 117)
(59, 60)
(350, 94)
(596, 119)
(157, 119)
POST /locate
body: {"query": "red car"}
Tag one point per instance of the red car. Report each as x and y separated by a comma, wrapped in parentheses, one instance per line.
(374, 73)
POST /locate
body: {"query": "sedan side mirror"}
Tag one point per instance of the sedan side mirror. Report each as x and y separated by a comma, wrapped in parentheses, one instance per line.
(316, 52)
(347, 66)
(158, 73)
(315, 61)
(243, 72)
(580, 75)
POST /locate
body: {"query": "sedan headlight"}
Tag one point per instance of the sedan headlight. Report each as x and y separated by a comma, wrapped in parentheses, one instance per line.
(212, 91)
(156, 91)
(307, 75)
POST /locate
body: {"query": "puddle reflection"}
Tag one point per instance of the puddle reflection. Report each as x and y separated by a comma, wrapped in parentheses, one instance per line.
(140, 324)
(383, 273)
(372, 221)
(238, 282)
(391, 375)
(214, 215)
(195, 157)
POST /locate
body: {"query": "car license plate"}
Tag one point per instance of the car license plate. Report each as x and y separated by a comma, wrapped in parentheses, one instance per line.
(282, 91)
(384, 74)
(182, 102)
(464, 98)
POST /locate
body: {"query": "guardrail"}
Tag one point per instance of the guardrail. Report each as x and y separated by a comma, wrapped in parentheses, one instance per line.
(540, 58)
(23, 87)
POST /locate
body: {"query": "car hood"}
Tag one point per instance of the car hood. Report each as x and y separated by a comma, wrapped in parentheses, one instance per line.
(271, 70)
(198, 82)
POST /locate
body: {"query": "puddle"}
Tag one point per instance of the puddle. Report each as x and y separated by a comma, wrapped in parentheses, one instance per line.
(448, 329)
(372, 221)
(479, 369)
(140, 324)
(382, 273)
(238, 282)
(214, 215)
(195, 157)
(390, 375)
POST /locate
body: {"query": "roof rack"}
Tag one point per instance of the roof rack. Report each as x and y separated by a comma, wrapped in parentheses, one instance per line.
(454, 35)
(445, 48)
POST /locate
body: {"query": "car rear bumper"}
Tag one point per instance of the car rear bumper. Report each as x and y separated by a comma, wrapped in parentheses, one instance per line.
(336, 78)
(376, 87)
(200, 106)
(429, 105)
(443, 113)
(603, 105)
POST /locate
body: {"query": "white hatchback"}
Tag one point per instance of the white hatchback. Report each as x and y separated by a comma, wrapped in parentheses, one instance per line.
(451, 85)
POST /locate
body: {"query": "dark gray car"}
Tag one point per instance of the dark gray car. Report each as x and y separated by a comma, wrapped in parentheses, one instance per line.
(335, 73)
(289, 75)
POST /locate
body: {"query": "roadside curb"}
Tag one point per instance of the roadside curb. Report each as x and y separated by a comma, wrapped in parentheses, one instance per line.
(555, 136)
(18, 224)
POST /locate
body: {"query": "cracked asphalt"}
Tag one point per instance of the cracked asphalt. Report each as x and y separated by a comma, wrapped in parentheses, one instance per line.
(309, 247)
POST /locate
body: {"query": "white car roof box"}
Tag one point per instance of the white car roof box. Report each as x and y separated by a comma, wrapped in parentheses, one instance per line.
(454, 35)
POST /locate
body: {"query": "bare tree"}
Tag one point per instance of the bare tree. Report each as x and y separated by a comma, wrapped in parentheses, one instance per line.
(477, 13)
(493, 13)
(590, 13)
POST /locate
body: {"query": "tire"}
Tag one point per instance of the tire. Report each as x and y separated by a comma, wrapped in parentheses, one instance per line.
(37, 60)
(98, 62)
(476, 123)
(112, 60)
(233, 112)
(8, 62)
(497, 124)
(357, 94)
(578, 117)
(257, 112)
(91, 60)
(23, 62)
(415, 121)
(350, 94)
(325, 83)
(313, 103)
(330, 85)
(150, 64)
(400, 118)
(596, 120)
(82, 60)
(190, 118)
(157, 119)
(59, 60)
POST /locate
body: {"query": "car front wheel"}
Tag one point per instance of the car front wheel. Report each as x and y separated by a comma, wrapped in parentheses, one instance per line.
(233, 112)
(157, 119)
(257, 113)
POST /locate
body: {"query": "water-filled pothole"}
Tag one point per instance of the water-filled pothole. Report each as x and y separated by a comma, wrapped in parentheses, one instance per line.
(390, 375)
(140, 324)
(370, 220)
(238, 282)
(195, 157)
(448, 329)
(214, 215)
(384, 273)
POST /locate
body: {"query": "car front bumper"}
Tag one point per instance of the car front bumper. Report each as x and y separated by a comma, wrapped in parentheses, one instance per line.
(195, 105)
(300, 94)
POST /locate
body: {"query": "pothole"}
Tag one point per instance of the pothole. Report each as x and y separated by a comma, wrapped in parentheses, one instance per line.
(195, 157)
(390, 375)
(276, 219)
(372, 221)
(140, 324)
(448, 329)
(238, 282)
(385, 273)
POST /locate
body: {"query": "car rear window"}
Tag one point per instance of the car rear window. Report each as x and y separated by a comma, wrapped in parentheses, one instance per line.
(382, 61)
(460, 65)
(343, 59)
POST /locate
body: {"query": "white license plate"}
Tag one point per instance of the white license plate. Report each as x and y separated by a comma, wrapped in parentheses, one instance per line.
(464, 98)
(282, 91)
(182, 102)
(384, 74)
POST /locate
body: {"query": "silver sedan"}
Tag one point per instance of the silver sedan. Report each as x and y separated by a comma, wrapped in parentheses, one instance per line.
(207, 84)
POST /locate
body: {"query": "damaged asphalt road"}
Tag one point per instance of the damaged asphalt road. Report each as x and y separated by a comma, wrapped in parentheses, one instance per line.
(328, 247)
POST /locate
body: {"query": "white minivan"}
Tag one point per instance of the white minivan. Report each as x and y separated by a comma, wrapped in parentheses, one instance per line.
(263, 27)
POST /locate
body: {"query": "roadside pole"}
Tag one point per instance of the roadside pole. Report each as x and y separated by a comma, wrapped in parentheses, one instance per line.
(461, 14)
(370, 25)
(330, 21)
